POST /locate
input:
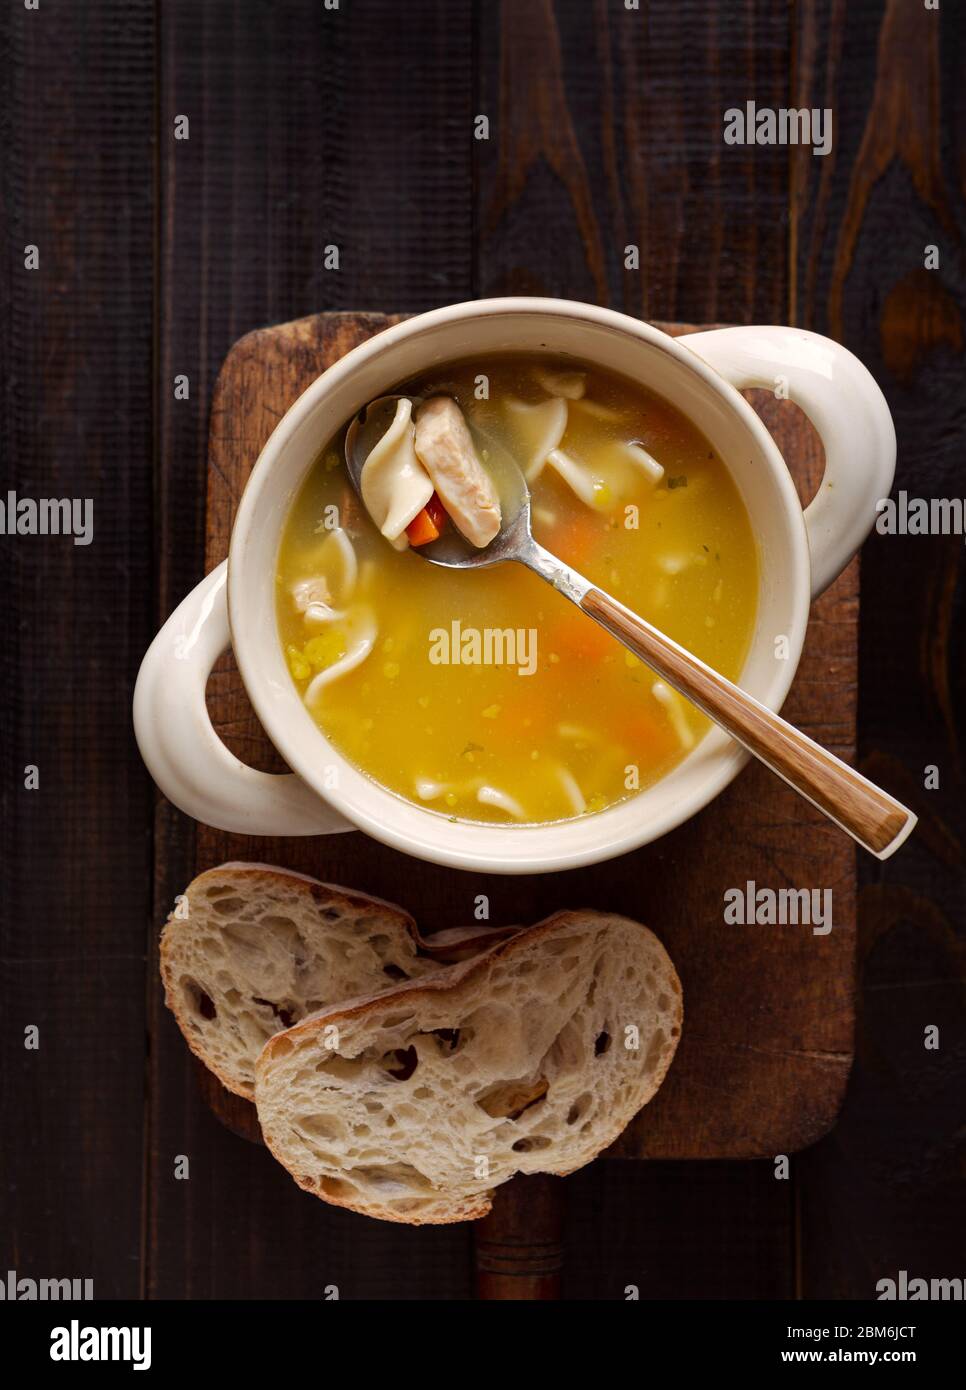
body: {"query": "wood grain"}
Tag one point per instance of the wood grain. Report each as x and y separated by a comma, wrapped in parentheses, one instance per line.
(311, 127)
(75, 422)
(755, 1075)
(644, 94)
(606, 134)
(519, 1246)
(885, 1191)
(679, 1231)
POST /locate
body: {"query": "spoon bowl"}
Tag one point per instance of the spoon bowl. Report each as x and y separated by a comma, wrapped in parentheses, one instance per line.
(452, 551)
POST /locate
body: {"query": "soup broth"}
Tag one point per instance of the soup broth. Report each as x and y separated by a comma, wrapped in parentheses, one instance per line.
(484, 695)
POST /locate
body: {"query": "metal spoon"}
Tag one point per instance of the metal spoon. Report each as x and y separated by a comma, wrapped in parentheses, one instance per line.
(876, 820)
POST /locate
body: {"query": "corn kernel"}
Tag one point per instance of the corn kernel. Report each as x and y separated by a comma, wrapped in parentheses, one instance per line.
(297, 664)
(325, 649)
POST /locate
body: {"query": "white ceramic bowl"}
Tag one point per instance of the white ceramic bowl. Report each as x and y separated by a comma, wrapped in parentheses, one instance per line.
(701, 374)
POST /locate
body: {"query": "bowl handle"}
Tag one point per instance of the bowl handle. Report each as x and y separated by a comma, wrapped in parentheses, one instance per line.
(183, 753)
(846, 407)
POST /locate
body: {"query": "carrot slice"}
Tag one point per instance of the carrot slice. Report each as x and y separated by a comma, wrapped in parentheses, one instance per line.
(427, 524)
(577, 537)
(421, 529)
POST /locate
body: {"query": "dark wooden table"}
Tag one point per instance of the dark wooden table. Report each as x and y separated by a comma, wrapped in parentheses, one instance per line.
(355, 128)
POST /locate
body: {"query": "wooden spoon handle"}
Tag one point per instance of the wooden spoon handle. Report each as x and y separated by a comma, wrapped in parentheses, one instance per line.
(872, 817)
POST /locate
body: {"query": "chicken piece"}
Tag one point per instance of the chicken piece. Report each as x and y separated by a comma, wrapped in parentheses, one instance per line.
(572, 385)
(308, 591)
(446, 450)
(313, 600)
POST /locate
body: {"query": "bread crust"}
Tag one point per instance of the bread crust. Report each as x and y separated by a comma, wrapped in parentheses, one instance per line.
(453, 979)
(452, 944)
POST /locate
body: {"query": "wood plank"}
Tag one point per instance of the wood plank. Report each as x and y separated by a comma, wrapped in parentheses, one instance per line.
(77, 122)
(308, 127)
(679, 1231)
(609, 135)
(606, 131)
(714, 216)
(884, 1191)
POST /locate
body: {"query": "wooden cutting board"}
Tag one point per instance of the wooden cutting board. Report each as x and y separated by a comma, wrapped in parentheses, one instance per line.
(767, 1040)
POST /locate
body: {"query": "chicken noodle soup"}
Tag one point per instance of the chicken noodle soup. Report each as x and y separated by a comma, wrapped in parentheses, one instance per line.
(483, 694)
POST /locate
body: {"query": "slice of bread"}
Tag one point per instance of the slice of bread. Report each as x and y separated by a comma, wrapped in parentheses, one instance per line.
(413, 1105)
(252, 949)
